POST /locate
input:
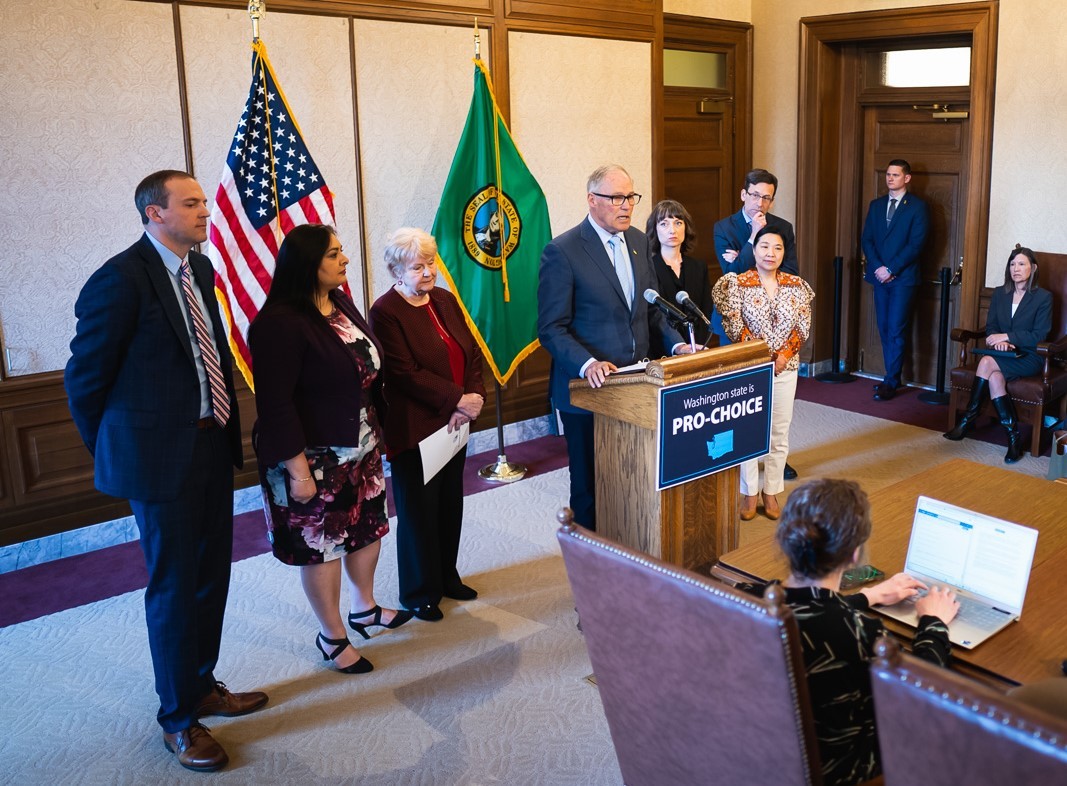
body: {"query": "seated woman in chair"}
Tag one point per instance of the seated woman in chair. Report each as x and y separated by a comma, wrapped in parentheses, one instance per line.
(1020, 316)
(823, 528)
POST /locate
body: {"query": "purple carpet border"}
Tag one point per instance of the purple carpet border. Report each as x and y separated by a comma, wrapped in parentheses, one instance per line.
(66, 583)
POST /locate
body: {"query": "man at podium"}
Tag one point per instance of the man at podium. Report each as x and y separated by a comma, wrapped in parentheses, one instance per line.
(592, 318)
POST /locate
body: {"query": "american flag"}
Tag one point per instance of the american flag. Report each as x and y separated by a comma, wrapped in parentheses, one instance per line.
(269, 185)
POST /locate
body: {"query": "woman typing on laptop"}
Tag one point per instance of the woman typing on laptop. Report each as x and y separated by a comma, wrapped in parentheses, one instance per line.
(822, 531)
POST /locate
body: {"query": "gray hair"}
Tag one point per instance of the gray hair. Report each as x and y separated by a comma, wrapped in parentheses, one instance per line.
(406, 245)
(595, 179)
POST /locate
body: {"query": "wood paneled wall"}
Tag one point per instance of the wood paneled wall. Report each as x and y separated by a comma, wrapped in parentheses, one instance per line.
(46, 474)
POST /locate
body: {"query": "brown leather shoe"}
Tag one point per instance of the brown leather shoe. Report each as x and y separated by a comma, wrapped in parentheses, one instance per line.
(222, 702)
(196, 749)
(771, 508)
(748, 507)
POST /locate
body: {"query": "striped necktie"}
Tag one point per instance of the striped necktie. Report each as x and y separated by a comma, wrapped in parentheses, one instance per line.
(220, 398)
(892, 210)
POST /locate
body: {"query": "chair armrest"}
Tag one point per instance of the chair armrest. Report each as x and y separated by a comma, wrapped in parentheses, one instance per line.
(962, 334)
(1053, 348)
(964, 337)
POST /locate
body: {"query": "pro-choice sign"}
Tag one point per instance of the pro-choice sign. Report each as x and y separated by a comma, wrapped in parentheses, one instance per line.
(713, 424)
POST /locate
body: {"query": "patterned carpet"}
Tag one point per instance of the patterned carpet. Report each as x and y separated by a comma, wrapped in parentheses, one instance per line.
(493, 694)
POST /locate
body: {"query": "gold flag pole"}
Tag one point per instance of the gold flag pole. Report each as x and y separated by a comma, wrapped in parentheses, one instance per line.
(256, 10)
(502, 470)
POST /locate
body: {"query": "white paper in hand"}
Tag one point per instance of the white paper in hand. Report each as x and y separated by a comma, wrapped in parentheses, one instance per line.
(439, 448)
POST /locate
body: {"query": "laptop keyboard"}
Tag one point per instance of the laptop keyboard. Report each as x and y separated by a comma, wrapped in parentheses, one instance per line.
(972, 612)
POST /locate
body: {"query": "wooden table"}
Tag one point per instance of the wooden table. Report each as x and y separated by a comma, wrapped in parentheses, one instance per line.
(1032, 648)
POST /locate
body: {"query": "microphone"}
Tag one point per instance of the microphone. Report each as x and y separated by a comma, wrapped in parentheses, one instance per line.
(668, 308)
(691, 308)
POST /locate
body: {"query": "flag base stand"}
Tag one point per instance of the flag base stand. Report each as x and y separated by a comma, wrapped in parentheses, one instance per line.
(502, 471)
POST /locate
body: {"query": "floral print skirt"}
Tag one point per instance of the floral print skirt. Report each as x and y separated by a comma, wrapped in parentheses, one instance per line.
(346, 514)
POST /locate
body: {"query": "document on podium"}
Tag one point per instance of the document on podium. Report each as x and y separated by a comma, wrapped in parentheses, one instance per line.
(439, 448)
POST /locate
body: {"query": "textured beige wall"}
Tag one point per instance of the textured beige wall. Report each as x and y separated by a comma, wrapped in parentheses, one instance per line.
(732, 10)
(414, 85)
(1029, 150)
(1031, 111)
(90, 106)
(218, 60)
(567, 120)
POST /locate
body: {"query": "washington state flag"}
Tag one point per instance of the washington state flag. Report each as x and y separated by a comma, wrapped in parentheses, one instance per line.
(491, 227)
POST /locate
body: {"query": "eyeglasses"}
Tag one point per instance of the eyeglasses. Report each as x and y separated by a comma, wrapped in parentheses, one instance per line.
(617, 199)
(761, 197)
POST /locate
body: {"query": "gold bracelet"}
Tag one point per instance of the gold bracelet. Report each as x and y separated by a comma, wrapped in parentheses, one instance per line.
(300, 480)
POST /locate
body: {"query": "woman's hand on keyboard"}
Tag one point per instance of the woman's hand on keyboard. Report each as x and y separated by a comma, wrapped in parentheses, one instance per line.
(938, 602)
(893, 590)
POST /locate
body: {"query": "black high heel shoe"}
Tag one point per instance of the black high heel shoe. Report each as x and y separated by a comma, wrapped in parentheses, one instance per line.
(402, 616)
(361, 666)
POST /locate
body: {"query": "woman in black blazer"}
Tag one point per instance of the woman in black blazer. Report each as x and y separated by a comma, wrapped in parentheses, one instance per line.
(671, 236)
(1020, 316)
(316, 365)
(433, 379)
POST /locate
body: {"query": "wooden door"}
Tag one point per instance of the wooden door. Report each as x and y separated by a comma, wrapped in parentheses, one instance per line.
(698, 170)
(707, 130)
(938, 153)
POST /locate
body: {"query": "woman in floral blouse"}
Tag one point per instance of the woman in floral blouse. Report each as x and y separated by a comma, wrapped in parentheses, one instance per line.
(765, 303)
(316, 367)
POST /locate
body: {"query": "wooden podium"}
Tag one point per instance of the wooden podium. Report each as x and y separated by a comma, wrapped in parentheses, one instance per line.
(691, 524)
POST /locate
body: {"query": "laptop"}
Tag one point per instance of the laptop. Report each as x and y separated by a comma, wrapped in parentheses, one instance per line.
(984, 559)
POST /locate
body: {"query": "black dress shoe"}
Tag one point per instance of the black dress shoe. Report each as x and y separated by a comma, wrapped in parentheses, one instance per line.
(790, 473)
(430, 612)
(884, 393)
(461, 592)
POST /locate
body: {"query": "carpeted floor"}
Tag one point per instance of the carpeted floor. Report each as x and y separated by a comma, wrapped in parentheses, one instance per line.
(493, 694)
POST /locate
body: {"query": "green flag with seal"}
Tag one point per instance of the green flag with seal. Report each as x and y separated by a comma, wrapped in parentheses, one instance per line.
(491, 227)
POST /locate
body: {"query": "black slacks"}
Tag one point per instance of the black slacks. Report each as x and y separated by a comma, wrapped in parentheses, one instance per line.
(429, 518)
(578, 431)
(188, 546)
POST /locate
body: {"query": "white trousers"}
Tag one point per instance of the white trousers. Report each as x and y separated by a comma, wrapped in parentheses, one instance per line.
(785, 390)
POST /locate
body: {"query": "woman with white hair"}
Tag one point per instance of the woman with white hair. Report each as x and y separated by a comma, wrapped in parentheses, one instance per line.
(433, 378)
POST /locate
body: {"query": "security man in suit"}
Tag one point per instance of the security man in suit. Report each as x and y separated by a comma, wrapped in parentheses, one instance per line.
(893, 235)
(151, 390)
(735, 233)
(592, 317)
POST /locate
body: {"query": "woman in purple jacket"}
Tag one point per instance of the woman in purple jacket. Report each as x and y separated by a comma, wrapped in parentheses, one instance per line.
(316, 367)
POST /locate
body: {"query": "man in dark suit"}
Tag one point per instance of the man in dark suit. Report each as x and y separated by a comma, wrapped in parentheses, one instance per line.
(735, 233)
(893, 235)
(151, 390)
(592, 317)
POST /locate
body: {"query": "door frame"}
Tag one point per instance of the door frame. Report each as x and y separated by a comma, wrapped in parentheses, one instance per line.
(827, 166)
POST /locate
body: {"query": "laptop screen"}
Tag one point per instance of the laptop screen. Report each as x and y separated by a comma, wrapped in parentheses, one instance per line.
(981, 554)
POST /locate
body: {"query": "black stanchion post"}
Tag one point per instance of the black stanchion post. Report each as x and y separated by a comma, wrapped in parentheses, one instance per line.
(938, 395)
(835, 375)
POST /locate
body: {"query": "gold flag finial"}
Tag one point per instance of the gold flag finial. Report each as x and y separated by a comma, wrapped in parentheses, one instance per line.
(256, 10)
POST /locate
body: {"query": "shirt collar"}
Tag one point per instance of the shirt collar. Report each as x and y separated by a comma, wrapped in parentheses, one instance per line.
(603, 234)
(170, 260)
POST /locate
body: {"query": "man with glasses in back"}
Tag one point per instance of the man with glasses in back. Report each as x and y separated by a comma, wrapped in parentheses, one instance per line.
(734, 235)
(592, 316)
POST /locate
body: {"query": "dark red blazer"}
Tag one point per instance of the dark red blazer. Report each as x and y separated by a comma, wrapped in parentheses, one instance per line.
(308, 383)
(418, 380)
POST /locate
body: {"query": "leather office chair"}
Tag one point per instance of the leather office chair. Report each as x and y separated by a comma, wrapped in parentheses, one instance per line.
(701, 684)
(937, 727)
(1036, 396)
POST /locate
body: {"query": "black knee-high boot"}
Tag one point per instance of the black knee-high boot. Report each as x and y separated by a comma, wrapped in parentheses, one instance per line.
(966, 423)
(1006, 412)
